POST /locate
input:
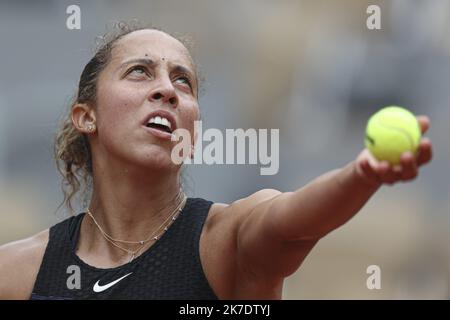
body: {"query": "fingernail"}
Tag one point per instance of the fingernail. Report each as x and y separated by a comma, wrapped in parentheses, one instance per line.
(408, 154)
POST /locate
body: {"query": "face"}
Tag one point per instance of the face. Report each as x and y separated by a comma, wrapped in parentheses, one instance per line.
(149, 71)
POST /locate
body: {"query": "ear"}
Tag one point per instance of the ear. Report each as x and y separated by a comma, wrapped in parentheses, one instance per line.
(83, 118)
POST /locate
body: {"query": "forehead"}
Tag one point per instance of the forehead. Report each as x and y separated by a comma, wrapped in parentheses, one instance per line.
(152, 44)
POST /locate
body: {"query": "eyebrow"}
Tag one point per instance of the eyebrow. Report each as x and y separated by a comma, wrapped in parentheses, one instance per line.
(151, 63)
(146, 61)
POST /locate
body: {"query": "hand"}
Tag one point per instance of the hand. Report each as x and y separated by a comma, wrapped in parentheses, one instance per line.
(379, 172)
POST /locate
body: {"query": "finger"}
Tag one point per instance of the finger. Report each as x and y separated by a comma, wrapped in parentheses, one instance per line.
(408, 166)
(392, 176)
(368, 171)
(424, 123)
(387, 173)
(381, 168)
(425, 153)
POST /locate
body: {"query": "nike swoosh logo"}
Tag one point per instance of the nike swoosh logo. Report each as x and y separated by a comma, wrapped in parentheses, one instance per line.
(98, 288)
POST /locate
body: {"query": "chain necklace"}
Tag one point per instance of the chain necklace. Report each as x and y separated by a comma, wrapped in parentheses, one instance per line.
(153, 237)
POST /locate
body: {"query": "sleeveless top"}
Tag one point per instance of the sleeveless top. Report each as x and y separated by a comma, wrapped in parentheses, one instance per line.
(170, 269)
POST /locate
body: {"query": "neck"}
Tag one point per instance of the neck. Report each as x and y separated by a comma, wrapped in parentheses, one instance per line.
(130, 206)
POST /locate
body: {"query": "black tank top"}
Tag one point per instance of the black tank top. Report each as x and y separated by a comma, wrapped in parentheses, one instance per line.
(170, 269)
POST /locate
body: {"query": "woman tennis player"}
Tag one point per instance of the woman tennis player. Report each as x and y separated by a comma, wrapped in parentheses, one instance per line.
(140, 237)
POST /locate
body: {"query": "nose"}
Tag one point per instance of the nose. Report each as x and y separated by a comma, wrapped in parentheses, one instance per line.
(165, 92)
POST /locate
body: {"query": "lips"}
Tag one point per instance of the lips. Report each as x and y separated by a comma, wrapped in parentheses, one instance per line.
(160, 123)
(158, 133)
(161, 120)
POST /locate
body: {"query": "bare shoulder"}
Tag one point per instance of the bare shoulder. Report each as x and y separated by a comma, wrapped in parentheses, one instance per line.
(19, 265)
(249, 203)
(220, 234)
(242, 206)
(227, 218)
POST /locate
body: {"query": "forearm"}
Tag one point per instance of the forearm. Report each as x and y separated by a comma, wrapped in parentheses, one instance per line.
(322, 205)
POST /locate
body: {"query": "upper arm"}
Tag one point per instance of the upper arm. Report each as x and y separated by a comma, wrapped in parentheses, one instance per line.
(262, 250)
(19, 265)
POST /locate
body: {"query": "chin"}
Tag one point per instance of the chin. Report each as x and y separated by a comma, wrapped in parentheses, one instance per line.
(157, 159)
(147, 158)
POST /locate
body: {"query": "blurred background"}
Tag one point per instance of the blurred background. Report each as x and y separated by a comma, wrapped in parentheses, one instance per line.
(310, 68)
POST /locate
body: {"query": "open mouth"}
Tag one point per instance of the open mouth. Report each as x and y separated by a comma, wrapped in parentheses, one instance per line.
(160, 123)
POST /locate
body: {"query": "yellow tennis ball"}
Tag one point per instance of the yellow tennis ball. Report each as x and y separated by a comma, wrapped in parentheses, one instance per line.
(392, 131)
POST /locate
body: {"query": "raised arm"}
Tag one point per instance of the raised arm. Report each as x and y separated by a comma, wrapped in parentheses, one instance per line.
(283, 228)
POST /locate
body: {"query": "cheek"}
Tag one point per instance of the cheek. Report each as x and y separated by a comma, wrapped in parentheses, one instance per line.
(117, 107)
(117, 117)
(191, 115)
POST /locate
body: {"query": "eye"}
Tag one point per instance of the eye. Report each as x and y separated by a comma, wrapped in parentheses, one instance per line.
(185, 80)
(137, 70)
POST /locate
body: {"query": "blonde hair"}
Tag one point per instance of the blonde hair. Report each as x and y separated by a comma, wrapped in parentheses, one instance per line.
(71, 148)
